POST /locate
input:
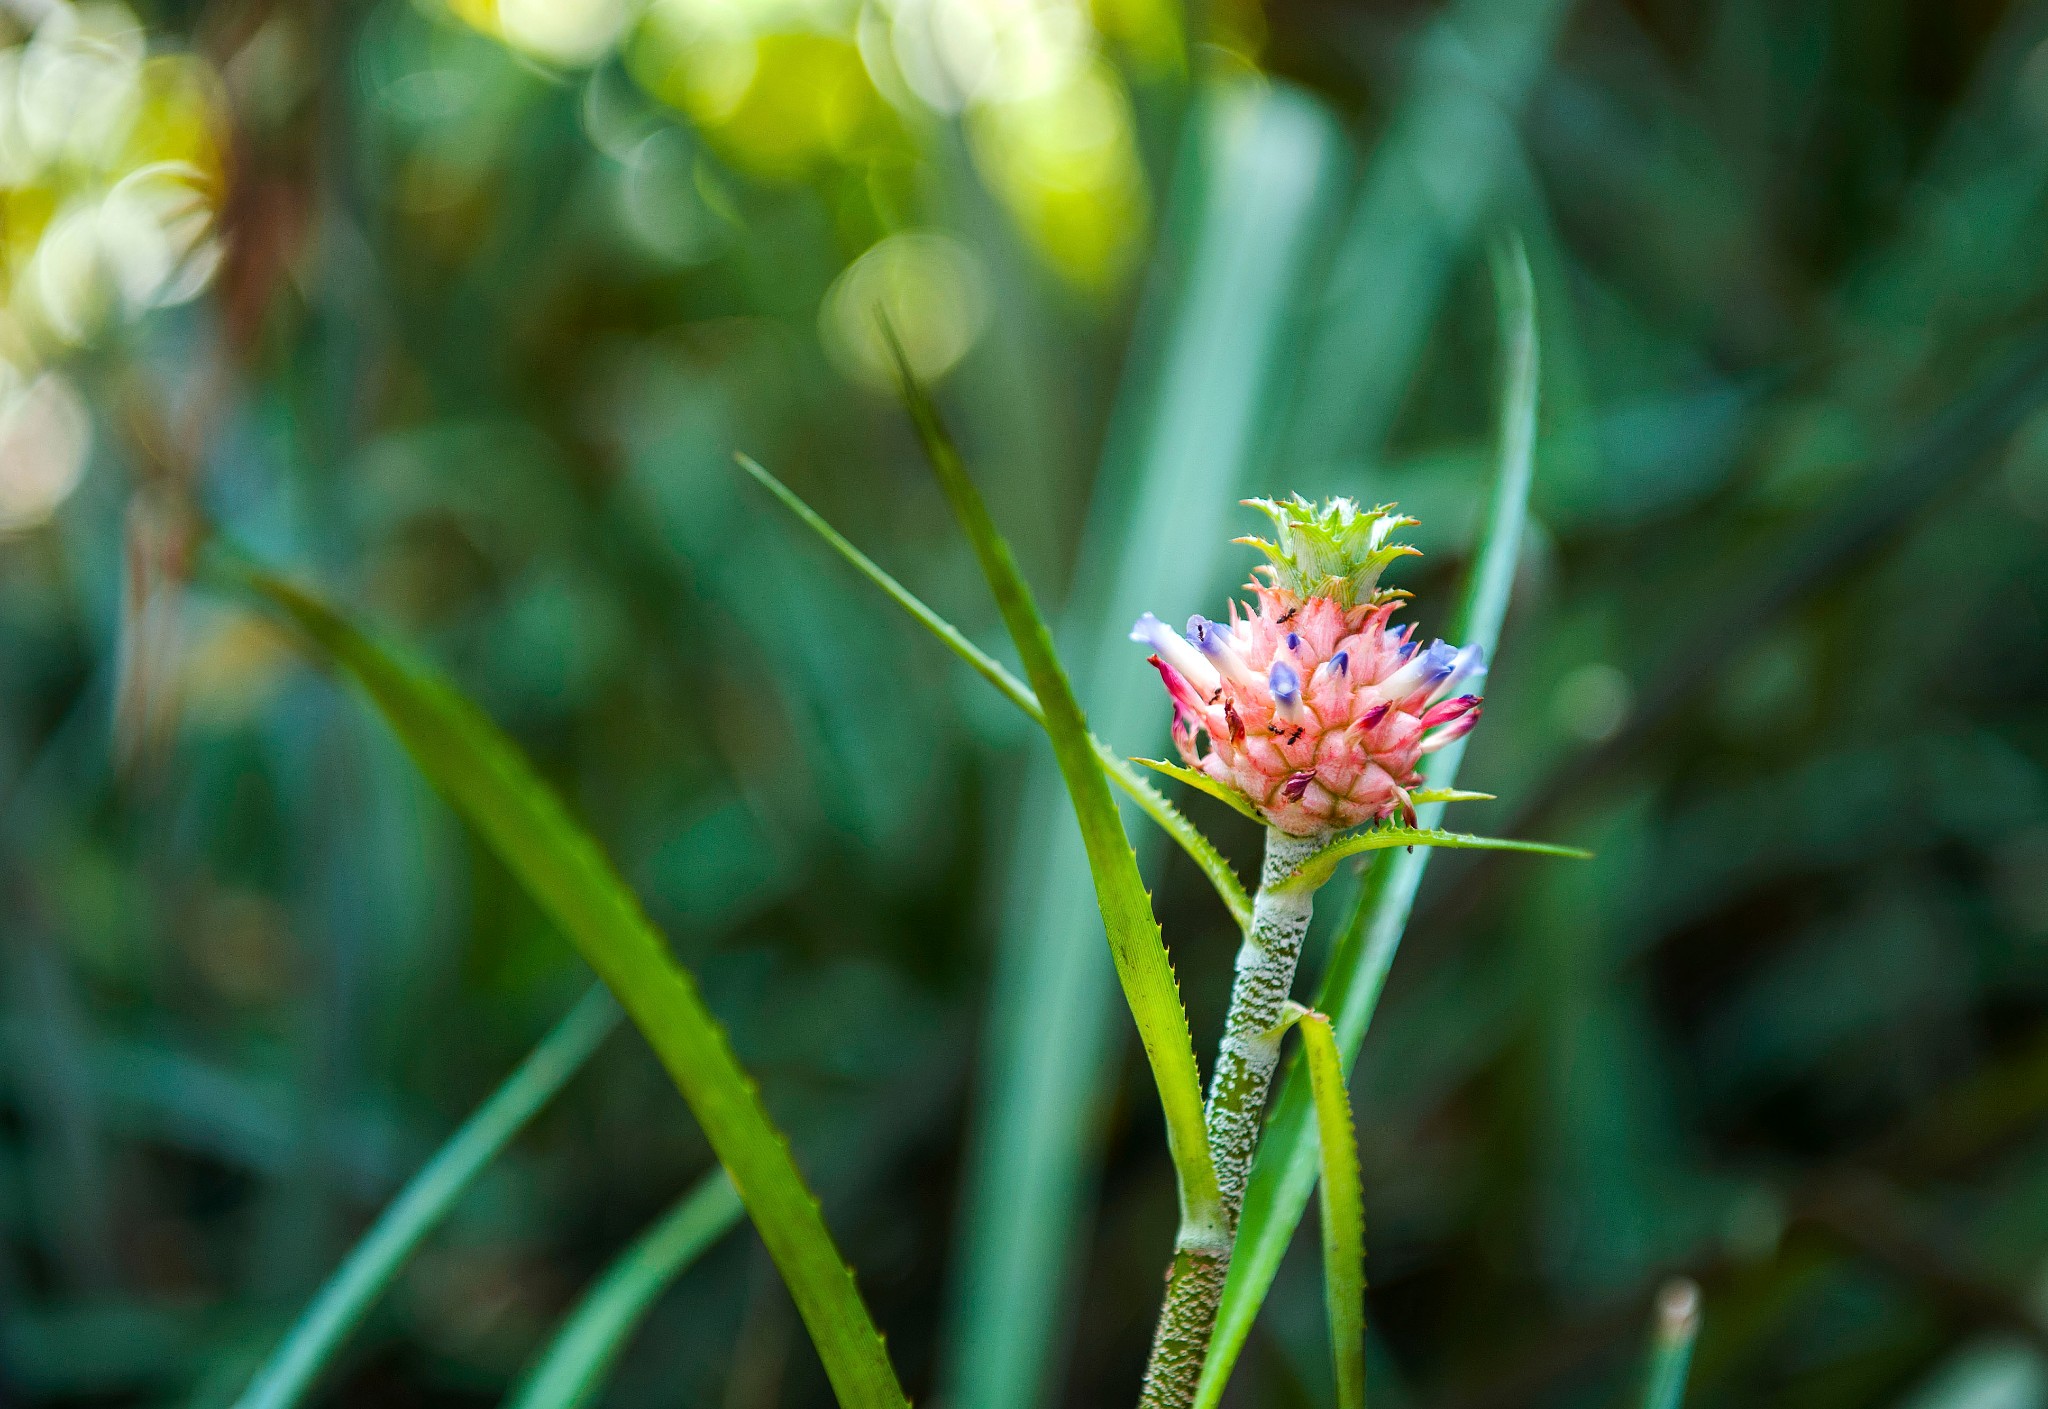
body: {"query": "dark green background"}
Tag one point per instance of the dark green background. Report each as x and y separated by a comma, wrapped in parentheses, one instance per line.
(1777, 653)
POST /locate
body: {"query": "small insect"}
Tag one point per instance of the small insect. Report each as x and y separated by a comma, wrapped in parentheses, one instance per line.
(1295, 737)
(1292, 613)
(1217, 696)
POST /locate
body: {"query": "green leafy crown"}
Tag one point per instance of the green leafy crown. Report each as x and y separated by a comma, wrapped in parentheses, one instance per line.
(1337, 551)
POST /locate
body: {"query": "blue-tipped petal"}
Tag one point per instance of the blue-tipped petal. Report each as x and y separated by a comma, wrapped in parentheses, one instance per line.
(1285, 683)
(1213, 640)
(1168, 645)
(1468, 672)
(1423, 670)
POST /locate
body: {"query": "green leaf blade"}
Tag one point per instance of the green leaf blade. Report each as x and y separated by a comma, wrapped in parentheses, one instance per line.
(1142, 966)
(1202, 783)
(1675, 1328)
(1343, 1208)
(571, 1371)
(1175, 824)
(311, 1343)
(1148, 798)
(1312, 873)
(984, 665)
(1285, 1171)
(478, 769)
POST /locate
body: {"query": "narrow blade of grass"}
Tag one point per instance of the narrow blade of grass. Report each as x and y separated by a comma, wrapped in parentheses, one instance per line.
(485, 777)
(1285, 1169)
(571, 1371)
(1676, 1327)
(1135, 943)
(340, 1305)
(1342, 1198)
(1150, 800)
(1318, 869)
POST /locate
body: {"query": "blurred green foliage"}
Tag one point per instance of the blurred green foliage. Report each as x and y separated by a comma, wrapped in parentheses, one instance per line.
(461, 312)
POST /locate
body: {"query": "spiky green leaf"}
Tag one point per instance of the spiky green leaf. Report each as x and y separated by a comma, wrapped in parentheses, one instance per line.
(1314, 872)
(1202, 782)
(491, 784)
(1135, 943)
(1342, 1197)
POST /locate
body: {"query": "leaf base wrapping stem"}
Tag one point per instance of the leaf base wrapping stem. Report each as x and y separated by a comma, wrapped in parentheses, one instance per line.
(1237, 1098)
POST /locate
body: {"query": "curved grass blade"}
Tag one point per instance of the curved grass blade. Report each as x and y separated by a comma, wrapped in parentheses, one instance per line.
(1671, 1339)
(571, 1372)
(1312, 873)
(339, 1306)
(1150, 800)
(1134, 939)
(1342, 1190)
(480, 771)
(1364, 951)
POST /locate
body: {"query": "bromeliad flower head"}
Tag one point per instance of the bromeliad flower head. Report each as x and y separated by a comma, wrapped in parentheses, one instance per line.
(1315, 707)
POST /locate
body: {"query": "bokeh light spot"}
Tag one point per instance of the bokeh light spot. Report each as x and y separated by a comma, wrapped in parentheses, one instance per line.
(931, 291)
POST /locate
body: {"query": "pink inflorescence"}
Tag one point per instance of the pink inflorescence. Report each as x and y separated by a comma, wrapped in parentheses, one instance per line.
(1316, 710)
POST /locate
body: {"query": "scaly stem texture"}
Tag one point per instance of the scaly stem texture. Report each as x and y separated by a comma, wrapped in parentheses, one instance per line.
(1237, 1099)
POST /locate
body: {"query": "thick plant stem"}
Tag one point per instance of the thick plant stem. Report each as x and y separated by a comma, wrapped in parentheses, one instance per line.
(1194, 1287)
(1237, 1099)
(1251, 1032)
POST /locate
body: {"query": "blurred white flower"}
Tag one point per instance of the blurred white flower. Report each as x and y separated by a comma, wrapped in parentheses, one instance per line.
(146, 243)
(156, 236)
(572, 33)
(44, 436)
(954, 53)
(111, 213)
(76, 89)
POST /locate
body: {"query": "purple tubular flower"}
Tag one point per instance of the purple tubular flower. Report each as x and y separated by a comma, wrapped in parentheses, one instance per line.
(1212, 639)
(1468, 673)
(1285, 683)
(1169, 646)
(1423, 670)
